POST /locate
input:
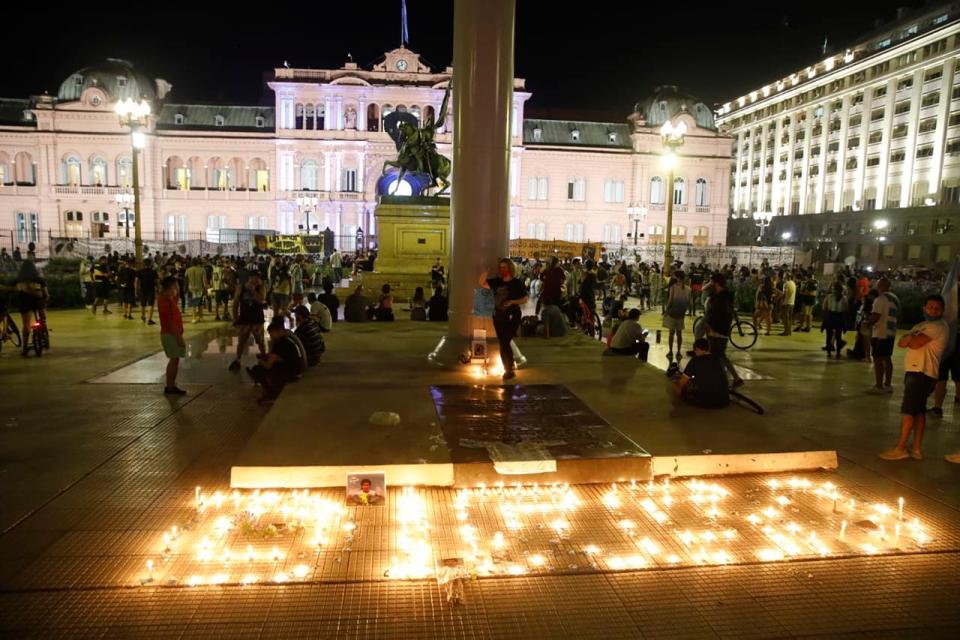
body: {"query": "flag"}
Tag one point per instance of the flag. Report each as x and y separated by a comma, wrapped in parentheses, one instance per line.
(949, 294)
(404, 30)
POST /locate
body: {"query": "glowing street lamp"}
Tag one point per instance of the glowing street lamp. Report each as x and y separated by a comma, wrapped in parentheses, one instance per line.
(307, 204)
(762, 220)
(672, 137)
(125, 200)
(637, 214)
(135, 115)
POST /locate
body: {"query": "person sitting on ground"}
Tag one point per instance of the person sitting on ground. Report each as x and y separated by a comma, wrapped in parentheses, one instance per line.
(309, 334)
(285, 363)
(618, 308)
(629, 336)
(418, 305)
(438, 306)
(554, 323)
(330, 299)
(383, 311)
(703, 382)
(355, 306)
(320, 313)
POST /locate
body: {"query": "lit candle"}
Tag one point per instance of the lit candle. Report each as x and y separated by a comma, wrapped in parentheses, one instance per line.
(900, 511)
(843, 529)
(150, 568)
(196, 497)
(896, 534)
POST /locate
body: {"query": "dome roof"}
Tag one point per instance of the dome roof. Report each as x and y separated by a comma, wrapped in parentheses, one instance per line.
(667, 101)
(116, 77)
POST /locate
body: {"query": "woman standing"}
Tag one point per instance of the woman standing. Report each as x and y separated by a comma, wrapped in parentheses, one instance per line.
(678, 301)
(509, 294)
(763, 304)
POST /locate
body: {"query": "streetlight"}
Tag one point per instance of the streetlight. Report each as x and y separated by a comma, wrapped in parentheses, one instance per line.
(125, 201)
(762, 220)
(637, 214)
(672, 137)
(135, 115)
(879, 226)
(785, 236)
(307, 204)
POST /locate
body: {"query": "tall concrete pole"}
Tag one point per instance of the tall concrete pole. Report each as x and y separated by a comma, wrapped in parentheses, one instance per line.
(480, 209)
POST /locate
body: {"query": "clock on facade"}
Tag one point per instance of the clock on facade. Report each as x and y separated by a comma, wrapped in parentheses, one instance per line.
(401, 65)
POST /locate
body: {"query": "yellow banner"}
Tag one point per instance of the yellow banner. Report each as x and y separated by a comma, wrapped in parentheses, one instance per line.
(543, 249)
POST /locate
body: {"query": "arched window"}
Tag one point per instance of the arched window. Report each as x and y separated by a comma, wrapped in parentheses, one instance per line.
(24, 171)
(125, 172)
(308, 175)
(679, 191)
(703, 197)
(373, 118)
(679, 233)
(299, 117)
(6, 176)
(98, 172)
(71, 171)
(309, 119)
(656, 190)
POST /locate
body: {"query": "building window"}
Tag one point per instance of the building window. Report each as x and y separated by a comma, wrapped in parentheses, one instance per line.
(930, 124)
(882, 44)
(178, 118)
(856, 120)
(925, 151)
(613, 191)
(575, 135)
(612, 137)
(851, 164)
(260, 122)
(656, 190)
(905, 84)
(880, 91)
(875, 137)
(933, 74)
(954, 119)
(901, 108)
(537, 134)
(897, 156)
(853, 143)
(939, 20)
(702, 195)
(349, 180)
(953, 146)
(913, 251)
(930, 99)
(218, 121)
(876, 115)
(899, 131)
(576, 189)
(679, 191)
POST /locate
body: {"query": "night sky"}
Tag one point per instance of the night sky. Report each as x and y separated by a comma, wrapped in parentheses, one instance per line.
(593, 61)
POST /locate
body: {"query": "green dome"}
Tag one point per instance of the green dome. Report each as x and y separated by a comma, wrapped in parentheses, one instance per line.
(116, 77)
(667, 101)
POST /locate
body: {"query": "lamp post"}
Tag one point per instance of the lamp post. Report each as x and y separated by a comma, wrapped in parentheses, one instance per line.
(785, 236)
(307, 204)
(879, 226)
(135, 116)
(762, 221)
(672, 137)
(637, 214)
(124, 201)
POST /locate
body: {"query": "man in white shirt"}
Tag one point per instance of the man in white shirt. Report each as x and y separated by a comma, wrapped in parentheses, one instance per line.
(789, 300)
(883, 325)
(320, 313)
(925, 345)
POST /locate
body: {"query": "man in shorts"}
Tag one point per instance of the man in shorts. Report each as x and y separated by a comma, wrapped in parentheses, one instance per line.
(171, 333)
(147, 291)
(925, 345)
(248, 303)
(197, 285)
(883, 326)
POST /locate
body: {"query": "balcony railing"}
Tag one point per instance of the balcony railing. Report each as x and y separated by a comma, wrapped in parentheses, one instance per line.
(80, 190)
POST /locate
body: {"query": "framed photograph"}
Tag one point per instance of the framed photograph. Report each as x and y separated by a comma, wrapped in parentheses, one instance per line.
(366, 489)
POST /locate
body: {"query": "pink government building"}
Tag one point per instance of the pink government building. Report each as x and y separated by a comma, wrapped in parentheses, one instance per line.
(313, 160)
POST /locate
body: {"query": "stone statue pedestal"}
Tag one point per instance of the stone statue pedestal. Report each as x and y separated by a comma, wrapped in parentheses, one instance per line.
(412, 232)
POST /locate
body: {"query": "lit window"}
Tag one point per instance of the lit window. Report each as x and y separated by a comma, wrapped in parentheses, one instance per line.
(537, 134)
(260, 122)
(178, 119)
(612, 136)
(218, 121)
(575, 135)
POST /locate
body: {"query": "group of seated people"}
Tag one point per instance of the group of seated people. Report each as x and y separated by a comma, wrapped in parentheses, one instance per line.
(291, 352)
(357, 307)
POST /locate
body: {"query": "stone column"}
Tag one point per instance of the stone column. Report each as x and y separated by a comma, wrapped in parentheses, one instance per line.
(480, 208)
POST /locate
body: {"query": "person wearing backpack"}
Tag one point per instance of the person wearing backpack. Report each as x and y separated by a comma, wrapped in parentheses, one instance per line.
(678, 301)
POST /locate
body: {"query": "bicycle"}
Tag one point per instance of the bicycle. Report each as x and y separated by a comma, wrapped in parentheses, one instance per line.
(13, 334)
(743, 333)
(39, 334)
(590, 322)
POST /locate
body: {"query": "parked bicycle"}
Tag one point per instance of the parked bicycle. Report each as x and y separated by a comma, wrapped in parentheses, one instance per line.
(12, 334)
(743, 333)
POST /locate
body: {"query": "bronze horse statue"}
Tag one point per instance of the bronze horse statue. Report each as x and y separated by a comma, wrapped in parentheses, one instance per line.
(416, 150)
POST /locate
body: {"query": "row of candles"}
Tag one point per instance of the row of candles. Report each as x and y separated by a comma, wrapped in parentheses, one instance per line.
(549, 508)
